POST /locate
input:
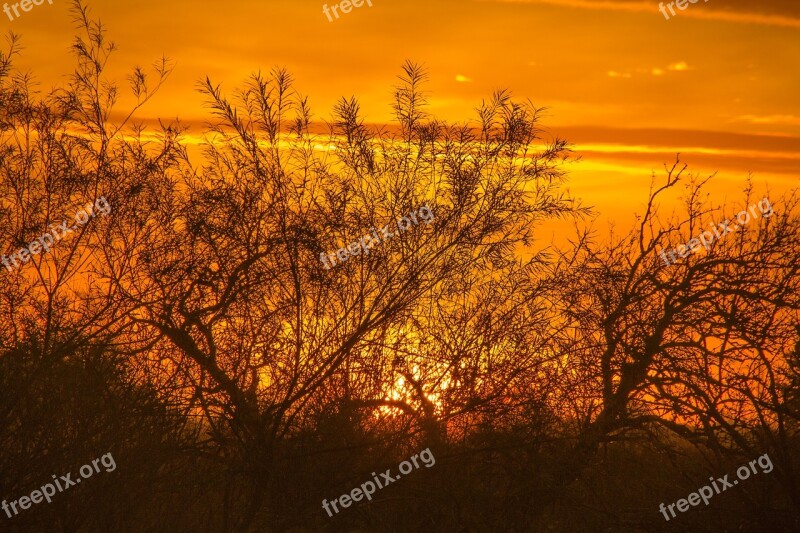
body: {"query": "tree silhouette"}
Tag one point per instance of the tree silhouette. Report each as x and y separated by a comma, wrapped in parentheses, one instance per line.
(239, 376)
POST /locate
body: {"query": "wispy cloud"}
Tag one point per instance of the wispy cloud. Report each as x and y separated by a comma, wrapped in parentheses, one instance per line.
(768, 119)
(774, 13)
(679, 66)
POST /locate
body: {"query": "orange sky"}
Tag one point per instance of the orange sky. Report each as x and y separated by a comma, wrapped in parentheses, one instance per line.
(717, 82)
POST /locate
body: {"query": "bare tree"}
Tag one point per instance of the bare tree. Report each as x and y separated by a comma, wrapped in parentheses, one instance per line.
(698, 348)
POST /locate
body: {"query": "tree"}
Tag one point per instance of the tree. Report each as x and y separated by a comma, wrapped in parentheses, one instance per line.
(697, 348)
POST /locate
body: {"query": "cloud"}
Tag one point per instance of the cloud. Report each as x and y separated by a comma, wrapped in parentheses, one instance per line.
(787, 8)
(768, 119)
(785, 13)
(679, 66)
(655, 71)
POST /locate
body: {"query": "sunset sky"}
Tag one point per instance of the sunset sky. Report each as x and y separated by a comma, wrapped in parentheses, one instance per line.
(718, 82)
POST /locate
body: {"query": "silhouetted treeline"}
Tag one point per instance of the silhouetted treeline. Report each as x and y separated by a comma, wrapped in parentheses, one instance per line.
(195, 333)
